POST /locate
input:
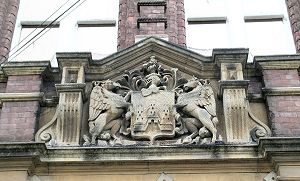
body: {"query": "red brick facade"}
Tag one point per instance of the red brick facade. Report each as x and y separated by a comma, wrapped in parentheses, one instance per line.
(18, 121)
(18, 118)
(284, 110)
(281, 78)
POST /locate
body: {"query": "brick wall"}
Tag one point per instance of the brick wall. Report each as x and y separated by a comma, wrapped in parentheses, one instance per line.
(161, 17)
(8, 15)
(281, 78)
(284, 110)
(25, 83)
(18, 119)
(284, 114)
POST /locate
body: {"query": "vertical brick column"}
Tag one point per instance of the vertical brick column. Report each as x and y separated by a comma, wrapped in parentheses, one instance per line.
(8, 16)
(20, 102)
(282, 92)
(142, 18)
(293, 7)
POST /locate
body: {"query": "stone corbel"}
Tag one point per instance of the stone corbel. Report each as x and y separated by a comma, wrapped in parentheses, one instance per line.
(240, 124)
(64, 128)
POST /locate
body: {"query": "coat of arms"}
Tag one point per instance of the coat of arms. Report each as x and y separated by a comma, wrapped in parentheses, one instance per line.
(151, 106)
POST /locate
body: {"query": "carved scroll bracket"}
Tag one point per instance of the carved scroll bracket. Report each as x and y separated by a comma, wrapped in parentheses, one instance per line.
(240, 123)
(64, 128)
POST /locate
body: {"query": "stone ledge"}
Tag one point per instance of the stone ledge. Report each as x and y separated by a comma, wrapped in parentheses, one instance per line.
(74, 59)
(71, 87)
(267, 150)
(281, 91)
(25, 68)
(230, 55)
(129, 153)
(232, 84)
(277, 62)
(279, 145)
(14, 97)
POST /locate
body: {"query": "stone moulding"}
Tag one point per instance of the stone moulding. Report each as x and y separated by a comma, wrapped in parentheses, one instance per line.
(277, 62)
(25, 68)
(241, 84)
(15, 97)
(264, 149)
(71, 87)
(281, 91)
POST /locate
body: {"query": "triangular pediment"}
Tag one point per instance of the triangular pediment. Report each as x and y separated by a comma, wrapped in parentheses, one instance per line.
(168, 55)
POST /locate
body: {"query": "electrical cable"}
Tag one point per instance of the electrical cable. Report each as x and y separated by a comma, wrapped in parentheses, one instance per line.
(39, 26)
(48, 27)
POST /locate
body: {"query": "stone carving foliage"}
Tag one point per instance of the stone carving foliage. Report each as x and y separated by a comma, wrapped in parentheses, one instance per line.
(151, 106)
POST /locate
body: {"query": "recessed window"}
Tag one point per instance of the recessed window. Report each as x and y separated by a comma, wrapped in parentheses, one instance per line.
(83, 26)
(37, 41)
(207, 33)
(98, 37)
(252, 24)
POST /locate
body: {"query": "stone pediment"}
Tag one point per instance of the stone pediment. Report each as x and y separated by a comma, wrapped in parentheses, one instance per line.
(153, 93)
(168, 54)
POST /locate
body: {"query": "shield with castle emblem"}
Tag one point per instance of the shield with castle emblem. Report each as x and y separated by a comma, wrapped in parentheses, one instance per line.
(153, 115)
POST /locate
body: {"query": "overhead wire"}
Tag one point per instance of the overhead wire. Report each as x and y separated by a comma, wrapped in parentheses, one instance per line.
(39, 26)
(44, 30)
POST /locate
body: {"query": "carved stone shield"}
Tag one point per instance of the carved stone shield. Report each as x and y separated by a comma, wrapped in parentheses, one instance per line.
(153, 115)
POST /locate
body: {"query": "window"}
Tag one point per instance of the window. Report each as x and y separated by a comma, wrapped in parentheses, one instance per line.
(92, 34)
(84, 25)
(201, 28)
(260, 25)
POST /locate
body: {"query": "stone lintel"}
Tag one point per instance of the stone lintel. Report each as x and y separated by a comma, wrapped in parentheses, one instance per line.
(277, 62)
(232, 84)
(14, 97)
(281, 91)
(230, 55)
(133, 154)
(73, 59)
(25, 68)
(71, 87)
(285, 146)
